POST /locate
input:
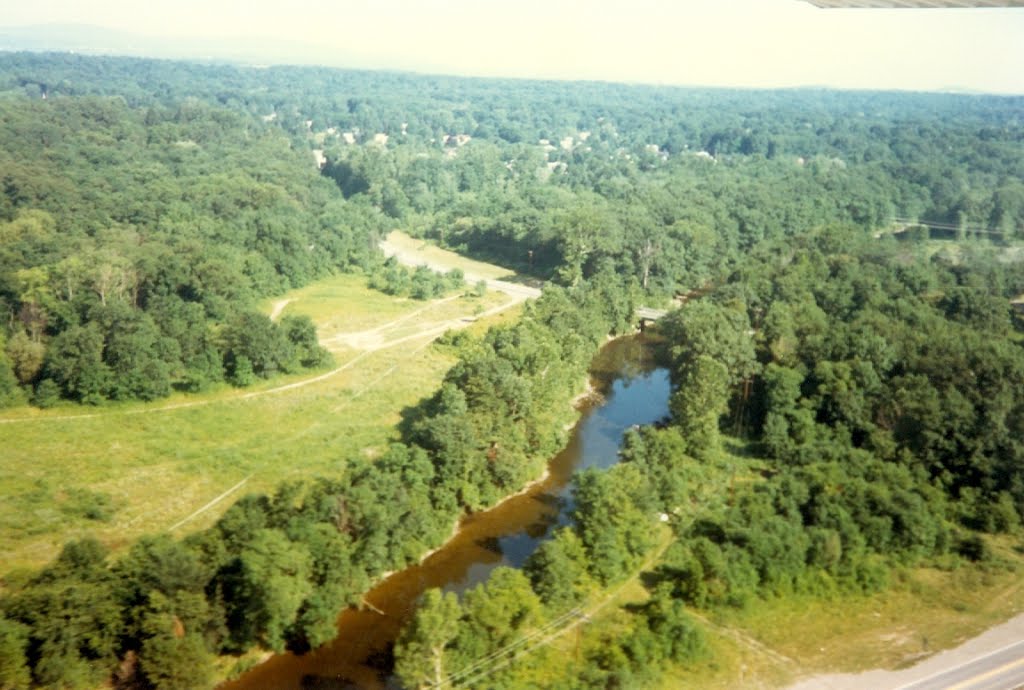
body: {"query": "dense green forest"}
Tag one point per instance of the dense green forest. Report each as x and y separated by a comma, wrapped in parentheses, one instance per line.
(882, 389)
(147, 205)
(135, 243)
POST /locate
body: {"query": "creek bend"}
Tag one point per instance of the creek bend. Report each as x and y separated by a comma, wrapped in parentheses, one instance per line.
(633, 391)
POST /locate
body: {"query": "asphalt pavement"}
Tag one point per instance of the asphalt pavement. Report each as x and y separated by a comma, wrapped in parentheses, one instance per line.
(1002, 669)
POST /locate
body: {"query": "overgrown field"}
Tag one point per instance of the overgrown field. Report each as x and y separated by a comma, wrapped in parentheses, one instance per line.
(774, 643)
(125, 470)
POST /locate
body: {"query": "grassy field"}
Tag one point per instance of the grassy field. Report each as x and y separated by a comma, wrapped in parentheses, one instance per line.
(124, 470)
(775, 643)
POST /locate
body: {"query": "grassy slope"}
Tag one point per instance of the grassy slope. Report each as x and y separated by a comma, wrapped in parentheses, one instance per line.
(161, 465)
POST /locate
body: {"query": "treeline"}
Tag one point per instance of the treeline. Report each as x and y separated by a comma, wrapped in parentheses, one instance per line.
(672, 208)
(186, 191)
(671, 183)
(134, 244)
(664, 180)
(274, 569)
(885, 396)
(394, 279)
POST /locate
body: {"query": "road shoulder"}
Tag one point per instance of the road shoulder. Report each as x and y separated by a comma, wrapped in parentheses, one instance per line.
(990, 641)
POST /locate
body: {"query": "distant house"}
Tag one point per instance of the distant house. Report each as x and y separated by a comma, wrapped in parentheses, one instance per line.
(1018, 304)
(456, 139)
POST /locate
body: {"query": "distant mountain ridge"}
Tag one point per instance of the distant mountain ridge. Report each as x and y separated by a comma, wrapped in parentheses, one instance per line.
(99, 40)
(90, 39)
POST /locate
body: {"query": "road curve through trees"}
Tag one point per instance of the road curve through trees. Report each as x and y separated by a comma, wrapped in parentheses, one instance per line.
(411, 257)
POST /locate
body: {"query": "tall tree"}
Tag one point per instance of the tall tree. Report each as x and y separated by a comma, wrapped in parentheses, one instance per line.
(420, 651)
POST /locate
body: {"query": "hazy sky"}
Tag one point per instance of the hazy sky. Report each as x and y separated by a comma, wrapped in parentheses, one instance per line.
(712, 42)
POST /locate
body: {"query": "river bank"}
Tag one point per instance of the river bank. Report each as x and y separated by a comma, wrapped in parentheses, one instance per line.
(505, 534)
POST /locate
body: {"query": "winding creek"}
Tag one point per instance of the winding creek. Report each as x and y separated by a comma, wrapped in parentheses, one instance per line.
(633, 391)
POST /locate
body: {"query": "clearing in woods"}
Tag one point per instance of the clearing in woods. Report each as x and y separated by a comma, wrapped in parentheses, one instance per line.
(120, 471)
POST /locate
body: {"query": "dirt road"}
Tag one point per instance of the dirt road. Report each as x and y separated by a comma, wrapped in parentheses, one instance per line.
(403, 248)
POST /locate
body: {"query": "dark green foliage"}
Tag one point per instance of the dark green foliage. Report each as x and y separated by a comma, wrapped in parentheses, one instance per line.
(495, 613)
(424, 284)
(707, 329)
(172, 662)
(301, 333)
(558, 570)
(666, 632)
(46, 394)
(445, 637)
(612, 521)
(933, 383)
(268, 588)
(138, 356)
(973, 547)
(661, 456)
(255, 343)
(699, 403)
(73, 618)
(145, 206)
(394, 279)
(14, 669)
(420, 650)
(75, 362)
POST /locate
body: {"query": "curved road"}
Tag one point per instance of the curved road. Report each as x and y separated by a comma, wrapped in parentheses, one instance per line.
(516, 290)
(1002, 669)
(412, 258)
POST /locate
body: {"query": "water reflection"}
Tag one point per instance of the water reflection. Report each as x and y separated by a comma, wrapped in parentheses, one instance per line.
(634, 392)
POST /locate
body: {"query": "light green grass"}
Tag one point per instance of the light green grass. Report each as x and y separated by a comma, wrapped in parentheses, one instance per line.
(926, 610)
(158, 466)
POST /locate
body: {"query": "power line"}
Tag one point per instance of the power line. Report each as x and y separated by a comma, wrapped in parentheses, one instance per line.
(480, 664)
(942, 225)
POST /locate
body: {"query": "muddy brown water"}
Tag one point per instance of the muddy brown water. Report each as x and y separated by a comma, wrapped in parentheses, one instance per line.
(631, 389)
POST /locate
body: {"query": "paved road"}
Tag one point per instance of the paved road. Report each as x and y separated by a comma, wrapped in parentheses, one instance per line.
(1002, 669)
(517, 290)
